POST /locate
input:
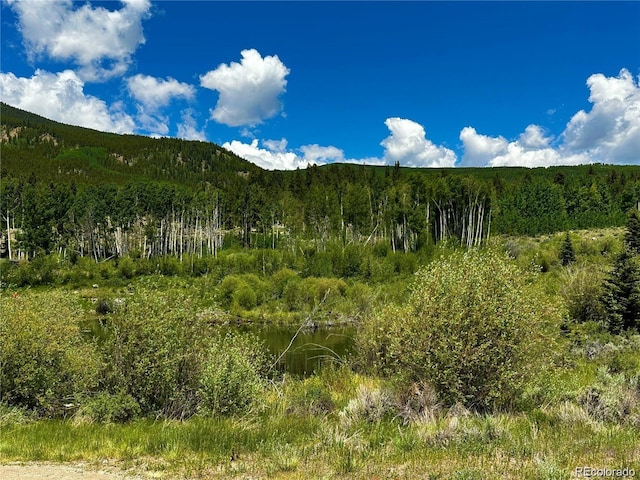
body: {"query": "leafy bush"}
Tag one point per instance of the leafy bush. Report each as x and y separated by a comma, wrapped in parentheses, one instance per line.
(280, 279)
(170, 265)
(153, 349)
(104, 407)
(245, 297)
(243, 291)
(46, 363)
(229, 285)
(234, 374)
(42, 270)
(126, 267)
(310, 292)
(472, 328)
(581, 292)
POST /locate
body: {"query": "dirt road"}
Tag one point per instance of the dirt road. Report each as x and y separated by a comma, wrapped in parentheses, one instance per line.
(53, 471)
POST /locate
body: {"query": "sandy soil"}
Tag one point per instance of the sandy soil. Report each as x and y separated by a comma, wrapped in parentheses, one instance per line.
(53, 471)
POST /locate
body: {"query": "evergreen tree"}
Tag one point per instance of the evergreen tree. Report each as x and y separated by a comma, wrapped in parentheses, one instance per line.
(632, 235)
(567, 255)
(622, 294)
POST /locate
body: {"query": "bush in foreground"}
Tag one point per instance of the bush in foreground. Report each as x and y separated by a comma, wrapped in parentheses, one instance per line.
(45, 362)
(153, 349)
(234, 374)
(472, 328)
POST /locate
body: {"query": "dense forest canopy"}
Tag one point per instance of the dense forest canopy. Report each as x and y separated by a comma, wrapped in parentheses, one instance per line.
(78, 191)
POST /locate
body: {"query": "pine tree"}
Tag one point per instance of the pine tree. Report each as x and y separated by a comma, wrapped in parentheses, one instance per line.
(632, 235)
(622, 294)
(567, 254)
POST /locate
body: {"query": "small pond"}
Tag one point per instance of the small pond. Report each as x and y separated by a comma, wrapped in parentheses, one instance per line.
(311, 349)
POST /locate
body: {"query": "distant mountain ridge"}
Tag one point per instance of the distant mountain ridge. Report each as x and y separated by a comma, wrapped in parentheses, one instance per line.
(54, 151)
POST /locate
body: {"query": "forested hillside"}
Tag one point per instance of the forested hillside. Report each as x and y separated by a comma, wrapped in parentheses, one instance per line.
(78, 191)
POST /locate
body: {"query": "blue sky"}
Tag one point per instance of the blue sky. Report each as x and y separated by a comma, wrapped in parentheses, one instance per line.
(285, 84)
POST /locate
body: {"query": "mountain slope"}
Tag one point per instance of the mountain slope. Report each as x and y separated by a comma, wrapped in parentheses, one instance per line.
(52, 151)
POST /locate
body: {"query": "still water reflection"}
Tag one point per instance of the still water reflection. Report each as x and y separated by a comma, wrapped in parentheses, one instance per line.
(311, 349)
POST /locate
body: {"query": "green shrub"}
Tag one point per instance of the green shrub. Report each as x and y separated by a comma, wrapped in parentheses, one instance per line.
(245, 297)
(243, 291)
(229, 285)
(280, 279)
(42, 270)
(107, 270)
(170, 265)
(613, 398)
(581, 292)
(153, 348)
(471, 328)
(259, 287)
(310, 292)
(294, 294)
(45, 361)
(126, 267)
(234, 374)
(104, 407)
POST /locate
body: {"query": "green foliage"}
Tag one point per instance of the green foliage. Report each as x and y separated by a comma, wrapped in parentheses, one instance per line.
(304, 294)
(567, 254)
(632, 234)
(245, 298)
(472, 327)
(153, 350)
(280, 279)
(234, 374)
(621, 296)
(126, 267)
(46, 363)
(309, 397)
(582, 293)
(107, 196)
(109, 408)
(613, 398)
(242, 291)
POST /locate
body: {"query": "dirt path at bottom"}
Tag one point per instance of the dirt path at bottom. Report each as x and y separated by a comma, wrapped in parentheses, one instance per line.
(54, 471)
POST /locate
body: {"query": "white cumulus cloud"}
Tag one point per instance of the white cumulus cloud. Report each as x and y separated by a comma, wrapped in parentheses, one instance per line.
(274, 154)
(409, 145)
(531, 149)
(406, 144)
(480, 149)
(533, 138)
(249, 90)
(188, 129)
(61, 97)
(100, 41)
(610, 132)
(518, 155)
(319, 155)
(155, 93)
(276, 159)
